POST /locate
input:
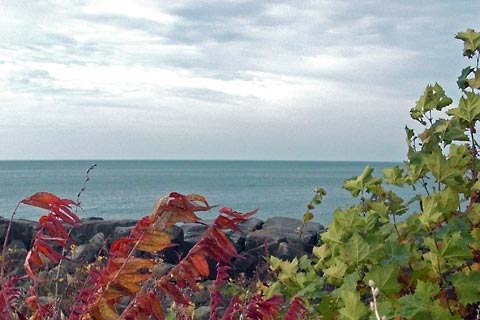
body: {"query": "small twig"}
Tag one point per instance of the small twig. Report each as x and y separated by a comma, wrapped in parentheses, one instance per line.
(57, 276)
(373, 304)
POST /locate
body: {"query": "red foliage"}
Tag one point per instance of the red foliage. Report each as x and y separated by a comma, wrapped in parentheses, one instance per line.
(9, 294)
(42, 251)
(257, 308)
(51, 229)
(296, 310)
(125, 274)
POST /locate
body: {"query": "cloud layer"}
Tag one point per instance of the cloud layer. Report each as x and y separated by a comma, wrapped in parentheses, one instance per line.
(318, 80)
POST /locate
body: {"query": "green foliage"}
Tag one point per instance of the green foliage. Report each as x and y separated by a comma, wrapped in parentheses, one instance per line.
(386, 257)
(424, 265)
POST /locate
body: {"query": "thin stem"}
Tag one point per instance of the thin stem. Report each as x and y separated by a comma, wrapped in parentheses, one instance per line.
(57, 276)
(2, 264)
(395, 226)
(474, 154)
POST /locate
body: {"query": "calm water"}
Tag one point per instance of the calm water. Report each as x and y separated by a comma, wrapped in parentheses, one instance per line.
(128, 189)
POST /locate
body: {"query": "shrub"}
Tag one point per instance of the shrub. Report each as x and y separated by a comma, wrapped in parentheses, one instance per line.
(426, 264)
(125, 275)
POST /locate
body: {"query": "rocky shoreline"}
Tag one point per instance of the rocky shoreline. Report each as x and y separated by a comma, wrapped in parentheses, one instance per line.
(276, 236)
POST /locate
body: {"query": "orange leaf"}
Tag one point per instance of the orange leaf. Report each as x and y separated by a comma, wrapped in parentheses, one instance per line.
(47, 251)
(103, 310)
(133, 264)
(154, 240)
(201, 264)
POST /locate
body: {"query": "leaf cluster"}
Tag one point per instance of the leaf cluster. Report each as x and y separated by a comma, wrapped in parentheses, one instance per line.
(422, 254)
(132, 273)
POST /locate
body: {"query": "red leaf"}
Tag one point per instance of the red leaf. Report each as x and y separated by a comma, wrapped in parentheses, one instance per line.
(173, 291)
(297, 310)
(235, 214)
(46, 200)
(47, 250)
(201, 264)
(32, 258)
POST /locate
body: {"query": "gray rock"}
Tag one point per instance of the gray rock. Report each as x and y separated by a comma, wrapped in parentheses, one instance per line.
(88, 252)
(202, 313)
(287, 227)
(20, 230)
(89, 228)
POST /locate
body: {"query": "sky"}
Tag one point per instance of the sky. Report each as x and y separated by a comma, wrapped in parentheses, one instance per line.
(240, 79)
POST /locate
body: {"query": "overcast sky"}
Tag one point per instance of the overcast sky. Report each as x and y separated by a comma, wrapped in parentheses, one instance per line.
(283, 80)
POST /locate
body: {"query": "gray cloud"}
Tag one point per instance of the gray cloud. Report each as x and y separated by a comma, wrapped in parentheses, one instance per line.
(268, 76)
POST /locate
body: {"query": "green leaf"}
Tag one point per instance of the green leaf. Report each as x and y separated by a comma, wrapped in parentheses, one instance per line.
(335, 233)
(450, 130)
(350, 219)
(354, 309)
(431, 213)
(466, 286)
(474, 213)
(397, 253)
(420, 304)
(359, 251)
(385, 278)
(326, 308)
(462, 81)
(394, 176)
(362, 182)
(475, 82)
(433, 98)
(335, 273)
(468, 108)
(471, 42)
(453, 249)
(442, 169)
(460, 157)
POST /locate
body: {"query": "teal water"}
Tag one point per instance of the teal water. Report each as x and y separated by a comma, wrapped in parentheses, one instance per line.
(128, 189)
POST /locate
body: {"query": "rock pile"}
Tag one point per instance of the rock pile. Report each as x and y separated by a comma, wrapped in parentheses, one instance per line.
(276, 236)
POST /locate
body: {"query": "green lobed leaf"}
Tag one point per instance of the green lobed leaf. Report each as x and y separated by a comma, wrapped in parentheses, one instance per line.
(362, 182)
(443, 170)
(431, 213)
(397, 253)
(359, 251)
(471, 42)
(455, 249)
(385, 278)
(420, 304)
(474, 83)
(350, 219)
(433, 98)
(466, 286)
(468, 108)
(462, 81)
(449, 131)
(336, 272)
(354, 309)
(394, 176)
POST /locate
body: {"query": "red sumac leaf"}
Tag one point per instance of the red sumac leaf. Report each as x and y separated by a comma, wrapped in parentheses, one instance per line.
(173, 291)
(297, 310)
(46, 200)
(47, 250)
(201, 264)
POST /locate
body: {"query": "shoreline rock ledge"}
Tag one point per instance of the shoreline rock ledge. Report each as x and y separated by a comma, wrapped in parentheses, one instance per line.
(276, 236)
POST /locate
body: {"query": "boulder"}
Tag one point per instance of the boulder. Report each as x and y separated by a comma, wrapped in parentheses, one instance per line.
(20, 230)
(91, 227)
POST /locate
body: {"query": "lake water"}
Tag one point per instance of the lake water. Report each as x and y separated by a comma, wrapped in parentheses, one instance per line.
(128, 189)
